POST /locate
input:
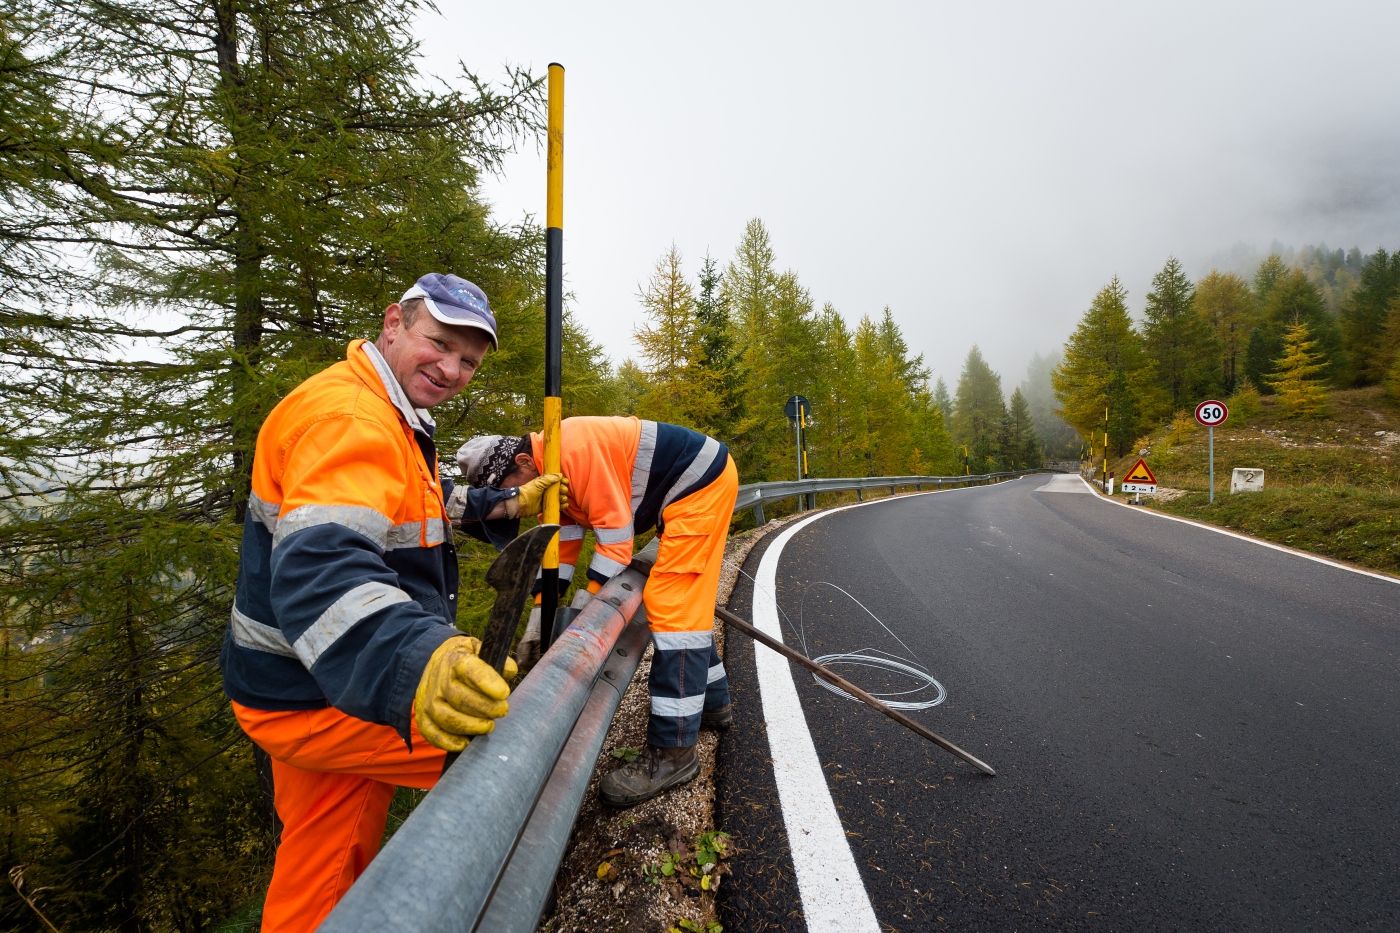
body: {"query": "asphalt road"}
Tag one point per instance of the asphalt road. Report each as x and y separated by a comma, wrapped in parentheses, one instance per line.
(1191, 732)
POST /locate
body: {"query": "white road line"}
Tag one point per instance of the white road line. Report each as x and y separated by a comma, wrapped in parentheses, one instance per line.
(833, 894)
(1234, 534)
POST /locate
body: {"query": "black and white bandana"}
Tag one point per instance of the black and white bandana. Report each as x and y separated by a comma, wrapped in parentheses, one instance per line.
(485, 460)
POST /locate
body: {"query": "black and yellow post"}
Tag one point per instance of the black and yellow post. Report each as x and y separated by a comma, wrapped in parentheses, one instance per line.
(1105, 451)
(553, 336)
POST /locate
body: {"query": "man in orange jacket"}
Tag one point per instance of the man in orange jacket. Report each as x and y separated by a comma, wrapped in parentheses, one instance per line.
(624, 477)
(342, 656)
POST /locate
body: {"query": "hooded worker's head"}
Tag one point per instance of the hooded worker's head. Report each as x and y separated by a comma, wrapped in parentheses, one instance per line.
(496, 460)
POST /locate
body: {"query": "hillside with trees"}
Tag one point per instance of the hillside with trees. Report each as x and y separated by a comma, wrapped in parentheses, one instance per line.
(1224, 335)
(1306, 354)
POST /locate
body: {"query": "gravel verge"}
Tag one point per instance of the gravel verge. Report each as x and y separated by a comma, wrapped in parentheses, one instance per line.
(611, 876)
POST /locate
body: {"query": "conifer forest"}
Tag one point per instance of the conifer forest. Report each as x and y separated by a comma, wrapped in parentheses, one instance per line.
(201, 203)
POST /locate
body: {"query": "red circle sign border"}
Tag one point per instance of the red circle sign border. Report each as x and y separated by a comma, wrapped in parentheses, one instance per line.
(1212, 424)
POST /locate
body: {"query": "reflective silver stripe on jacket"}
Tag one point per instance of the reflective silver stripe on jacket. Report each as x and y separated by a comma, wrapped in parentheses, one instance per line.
(362, 519)
(250, 633)
(614, 535)
(410, 534)
(716, 673)
(605, 566)
(416, 418)
(692, 473)
(265, 512)
(343, 615)
(570, 532)
(675, 641)
(641, 468)
(677, 706)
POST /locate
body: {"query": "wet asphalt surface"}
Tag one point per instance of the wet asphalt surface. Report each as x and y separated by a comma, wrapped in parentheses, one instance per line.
(1191, 732)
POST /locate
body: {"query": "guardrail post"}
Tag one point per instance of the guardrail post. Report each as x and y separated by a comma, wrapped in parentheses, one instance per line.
(859, 497)
(758, 512)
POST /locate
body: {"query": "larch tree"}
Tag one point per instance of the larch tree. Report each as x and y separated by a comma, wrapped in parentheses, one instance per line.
(778, 352)
(943, 400)
(681, 389)
(1364, 316)
(716, 329)
(1019, 447)
(244, 188)
(978, 410)
(1057, 439)
(1301, 393)
(1286, 296)
(1227, 307)
(1176, 338)
(840, 435)
(1105, 370)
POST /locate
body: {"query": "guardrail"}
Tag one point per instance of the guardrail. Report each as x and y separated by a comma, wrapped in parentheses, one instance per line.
(754, 495)
(490, 836)
(482, 850)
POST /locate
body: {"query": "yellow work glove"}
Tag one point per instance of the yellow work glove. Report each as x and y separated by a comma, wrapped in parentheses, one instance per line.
(531, 498)
(563, 493)
(459, 694)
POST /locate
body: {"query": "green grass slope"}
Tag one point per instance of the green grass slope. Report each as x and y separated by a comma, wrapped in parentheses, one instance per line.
(1331, 485)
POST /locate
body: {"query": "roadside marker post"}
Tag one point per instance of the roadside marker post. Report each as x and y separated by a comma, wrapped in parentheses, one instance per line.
(796, 410)
(1211, 413)
(553, 335)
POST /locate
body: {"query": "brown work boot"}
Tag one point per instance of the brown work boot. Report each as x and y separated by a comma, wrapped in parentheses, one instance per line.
(655, 771)
(719, 719)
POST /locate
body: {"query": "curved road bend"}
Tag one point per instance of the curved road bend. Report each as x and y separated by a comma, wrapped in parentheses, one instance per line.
(1192, 732)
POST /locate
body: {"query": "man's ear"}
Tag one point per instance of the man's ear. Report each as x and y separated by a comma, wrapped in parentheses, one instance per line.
(525, 460)
(393, 319)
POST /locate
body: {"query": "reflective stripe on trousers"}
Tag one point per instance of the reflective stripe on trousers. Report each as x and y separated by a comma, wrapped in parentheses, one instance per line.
(680, 598)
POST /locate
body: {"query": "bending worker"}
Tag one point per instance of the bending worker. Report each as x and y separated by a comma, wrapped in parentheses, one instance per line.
(626, 476)
(342, 655)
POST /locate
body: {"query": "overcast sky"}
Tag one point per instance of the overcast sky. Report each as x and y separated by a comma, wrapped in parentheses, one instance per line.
(982, 169)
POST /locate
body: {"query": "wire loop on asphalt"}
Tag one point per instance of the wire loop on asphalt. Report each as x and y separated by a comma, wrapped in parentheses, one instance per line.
(874, 658)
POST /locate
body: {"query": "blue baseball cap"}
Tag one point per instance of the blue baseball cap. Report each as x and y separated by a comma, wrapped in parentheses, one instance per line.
(455, 301)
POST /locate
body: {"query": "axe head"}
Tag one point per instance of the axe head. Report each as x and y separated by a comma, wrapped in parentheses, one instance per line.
(512, 575)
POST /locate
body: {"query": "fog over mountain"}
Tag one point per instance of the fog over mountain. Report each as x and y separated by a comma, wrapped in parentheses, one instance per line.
(981, 170)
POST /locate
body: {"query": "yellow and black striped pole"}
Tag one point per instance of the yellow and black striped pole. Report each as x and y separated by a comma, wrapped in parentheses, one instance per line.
(553, 337)
(1105, 451)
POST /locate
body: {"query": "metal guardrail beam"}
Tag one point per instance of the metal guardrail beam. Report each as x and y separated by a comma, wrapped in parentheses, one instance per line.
(526, 883)
(754, 495)
(441, 868)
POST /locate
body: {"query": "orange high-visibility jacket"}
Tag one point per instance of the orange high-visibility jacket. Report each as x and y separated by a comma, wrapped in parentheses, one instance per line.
(347, 577)
(622, 472)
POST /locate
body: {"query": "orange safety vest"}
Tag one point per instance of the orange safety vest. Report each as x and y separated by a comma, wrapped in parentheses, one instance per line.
(347, 576)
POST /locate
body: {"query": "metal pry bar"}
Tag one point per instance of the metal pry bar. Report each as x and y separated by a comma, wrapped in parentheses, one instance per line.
(731, 619)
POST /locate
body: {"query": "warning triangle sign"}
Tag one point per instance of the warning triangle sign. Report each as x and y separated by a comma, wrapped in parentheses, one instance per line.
(1140, 474)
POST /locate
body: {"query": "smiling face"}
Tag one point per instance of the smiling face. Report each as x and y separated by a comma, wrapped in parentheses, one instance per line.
(431, 360)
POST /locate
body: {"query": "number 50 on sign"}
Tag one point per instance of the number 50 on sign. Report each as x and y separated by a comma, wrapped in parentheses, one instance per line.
(1212, 414)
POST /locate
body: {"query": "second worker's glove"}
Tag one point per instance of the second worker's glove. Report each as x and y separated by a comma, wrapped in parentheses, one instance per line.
(531, 498)
(459, 695)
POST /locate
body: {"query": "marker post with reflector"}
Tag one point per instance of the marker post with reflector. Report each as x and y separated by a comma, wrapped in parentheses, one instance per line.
(553, 338)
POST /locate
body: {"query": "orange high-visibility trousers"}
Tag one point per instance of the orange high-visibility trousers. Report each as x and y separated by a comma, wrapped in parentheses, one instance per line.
(333, 778)
(687, 675)
(680, 592)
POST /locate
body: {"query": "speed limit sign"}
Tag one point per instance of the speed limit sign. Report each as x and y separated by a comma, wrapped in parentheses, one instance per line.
(1212, 414)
